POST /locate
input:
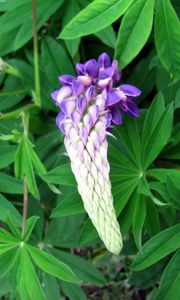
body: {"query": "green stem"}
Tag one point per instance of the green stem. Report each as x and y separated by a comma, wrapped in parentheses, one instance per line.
(16, 113)
(17, 92)
(25, 119)
(36, 57)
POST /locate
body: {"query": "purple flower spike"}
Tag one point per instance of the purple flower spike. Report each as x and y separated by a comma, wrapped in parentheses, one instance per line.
(90, 106)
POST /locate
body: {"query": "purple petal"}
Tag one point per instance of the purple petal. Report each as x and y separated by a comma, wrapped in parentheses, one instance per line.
(68, 107)
(87, 120)
(60, 118)
(113, 98)
(66, 79)
(85, 80)
(108, 73)
(76, 117)
(91, 68)
(103, 83)
(130, 90)
(117, 74)
(94, 111)
(104, 60)
(81, 104)
(54, 95)
(63, 93)
(116, 116)
(90, 93)
(77, 87)
(80, 69)
(132, 109)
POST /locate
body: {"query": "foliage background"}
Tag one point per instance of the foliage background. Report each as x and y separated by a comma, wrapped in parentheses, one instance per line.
(58, 254)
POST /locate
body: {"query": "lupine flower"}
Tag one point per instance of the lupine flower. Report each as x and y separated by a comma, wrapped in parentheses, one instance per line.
(90, 105)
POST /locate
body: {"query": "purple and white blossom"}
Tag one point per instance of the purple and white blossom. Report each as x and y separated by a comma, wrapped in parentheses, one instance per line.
(90, 105)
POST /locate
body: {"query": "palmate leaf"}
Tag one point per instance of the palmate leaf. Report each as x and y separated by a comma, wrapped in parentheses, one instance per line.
(132, 33)
(52, 265)
(84, 270)
(23, 166)
(139, 216)
(60, 175)
(70, 205)
(7, 208)
(158, 247)
(7, 153)
(16, 31)
(169, 286)
(29, 286)
(167, 37)
(96, 16)
(73, 9)
(152, 223)
(148, 277)
(7, 261)
(7, 181)
(72, 291)
(156, 132)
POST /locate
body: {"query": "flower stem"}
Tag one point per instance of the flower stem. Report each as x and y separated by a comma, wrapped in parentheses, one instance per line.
(16, 113)
(25, 119)
(36, 57)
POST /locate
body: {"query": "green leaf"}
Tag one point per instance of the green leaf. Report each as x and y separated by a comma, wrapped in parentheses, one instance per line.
(152, 223)
(11, 94)
(72, 291)
(14, 229)
(84, 270)
(158, 138)
(51, 265)
(96, 16)
(7, 181)
(138, 220)
(174, 192)
(161, 174)
(53, 68)
(60, 175)
(50, 286)
(7, 153)
(72, 204)
(169, 288)
(158, 247)
(7, 261)
(149, 277)
(88, 234)
(16, 31)
(167, 37)
(7, 208)
(73, 9)
(133, 34)
(23, 166)
(153, 116)
(30, 223)
(28, 283)
(7, 238)
(126, 216)
(107, 36)
(4, 248)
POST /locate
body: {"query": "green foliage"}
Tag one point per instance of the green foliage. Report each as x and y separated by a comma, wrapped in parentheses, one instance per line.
(58, 254)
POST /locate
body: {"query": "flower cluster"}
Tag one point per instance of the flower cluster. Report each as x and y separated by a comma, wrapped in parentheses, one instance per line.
(90, 105)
